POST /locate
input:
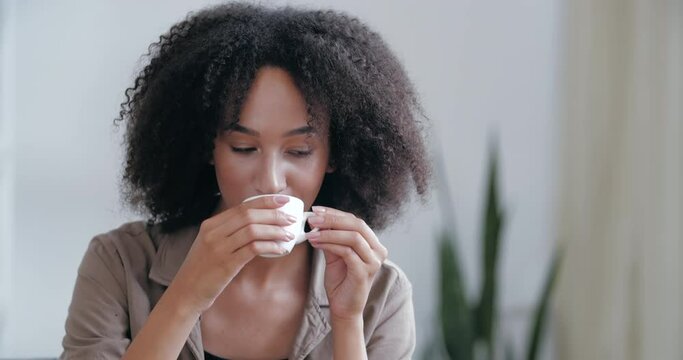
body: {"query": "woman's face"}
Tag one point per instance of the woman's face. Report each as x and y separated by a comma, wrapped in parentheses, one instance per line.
(272, 149)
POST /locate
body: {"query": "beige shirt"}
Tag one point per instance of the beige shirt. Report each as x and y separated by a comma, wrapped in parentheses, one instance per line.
(125, 271)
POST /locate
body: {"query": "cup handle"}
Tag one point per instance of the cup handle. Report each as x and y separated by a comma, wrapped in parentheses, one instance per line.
(302, 238)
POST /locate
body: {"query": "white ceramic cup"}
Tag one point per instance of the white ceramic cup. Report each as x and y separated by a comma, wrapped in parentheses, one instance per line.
(294, 207)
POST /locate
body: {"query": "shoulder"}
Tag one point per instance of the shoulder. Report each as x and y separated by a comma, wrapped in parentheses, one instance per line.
(130, 234)
(391, 290)
(129, 243)
(391, 279)
(389, 316)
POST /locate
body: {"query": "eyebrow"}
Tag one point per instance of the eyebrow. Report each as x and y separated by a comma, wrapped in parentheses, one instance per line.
(298, 131)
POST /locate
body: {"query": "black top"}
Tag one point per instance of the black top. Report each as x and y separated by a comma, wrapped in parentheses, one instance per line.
(210, 356)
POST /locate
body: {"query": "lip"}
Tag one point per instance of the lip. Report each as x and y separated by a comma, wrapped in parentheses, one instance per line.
(259, 195)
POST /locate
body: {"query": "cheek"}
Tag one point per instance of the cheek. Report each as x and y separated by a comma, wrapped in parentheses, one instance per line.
(232, 177)
(306, 182)
(229, 172)
(305, 176)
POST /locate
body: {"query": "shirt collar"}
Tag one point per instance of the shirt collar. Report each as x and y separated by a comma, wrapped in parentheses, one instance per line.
(316, 322)
(172, 249)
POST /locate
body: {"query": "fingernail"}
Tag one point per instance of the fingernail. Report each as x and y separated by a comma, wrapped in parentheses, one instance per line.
(318, 209)
(290, 236)
(313, 236)
(280, 199)
(316, 220)
(290, 218)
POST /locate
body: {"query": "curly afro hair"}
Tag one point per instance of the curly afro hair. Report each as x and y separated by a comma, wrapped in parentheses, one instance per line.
(196, 81)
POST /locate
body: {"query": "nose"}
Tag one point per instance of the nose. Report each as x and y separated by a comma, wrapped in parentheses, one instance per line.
(271, 176)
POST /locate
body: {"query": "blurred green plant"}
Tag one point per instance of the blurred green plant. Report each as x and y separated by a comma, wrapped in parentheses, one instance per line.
(467, 331)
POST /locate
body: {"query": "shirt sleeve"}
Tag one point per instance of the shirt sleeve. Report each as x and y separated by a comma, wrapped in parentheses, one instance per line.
(97, 321)
(394, 336)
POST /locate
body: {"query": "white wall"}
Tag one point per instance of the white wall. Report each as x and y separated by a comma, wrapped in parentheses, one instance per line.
(481, 67)
(7, 25)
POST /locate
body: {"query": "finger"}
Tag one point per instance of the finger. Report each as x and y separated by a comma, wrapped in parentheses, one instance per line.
(252, 216)
(356, 268)
(328, 210)
(265, 202)
(341, 222)
(256, 248)
(351, 259)
(350, 239)
(334, 221)
(256, 232)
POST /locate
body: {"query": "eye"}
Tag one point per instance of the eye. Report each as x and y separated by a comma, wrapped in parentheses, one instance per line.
(300, 153)
(243, 150)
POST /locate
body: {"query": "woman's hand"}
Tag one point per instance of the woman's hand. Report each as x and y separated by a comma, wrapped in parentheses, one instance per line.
(353, 255)
(225, 243)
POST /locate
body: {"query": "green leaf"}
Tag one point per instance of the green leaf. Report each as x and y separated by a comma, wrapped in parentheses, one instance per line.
(542, 307)
(429, 352)
(509, 352)
(453, 307)
(491, 237)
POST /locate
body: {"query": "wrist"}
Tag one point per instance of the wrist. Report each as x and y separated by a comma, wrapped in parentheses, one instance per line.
(183, 304)
(351, 323)
(348, 339)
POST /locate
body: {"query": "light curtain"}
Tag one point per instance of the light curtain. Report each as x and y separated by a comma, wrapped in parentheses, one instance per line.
(620, 293)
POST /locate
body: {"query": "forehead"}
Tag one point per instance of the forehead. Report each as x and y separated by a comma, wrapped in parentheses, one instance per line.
(274, 103)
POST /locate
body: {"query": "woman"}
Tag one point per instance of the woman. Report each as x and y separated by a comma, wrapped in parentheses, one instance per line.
(236, 101)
